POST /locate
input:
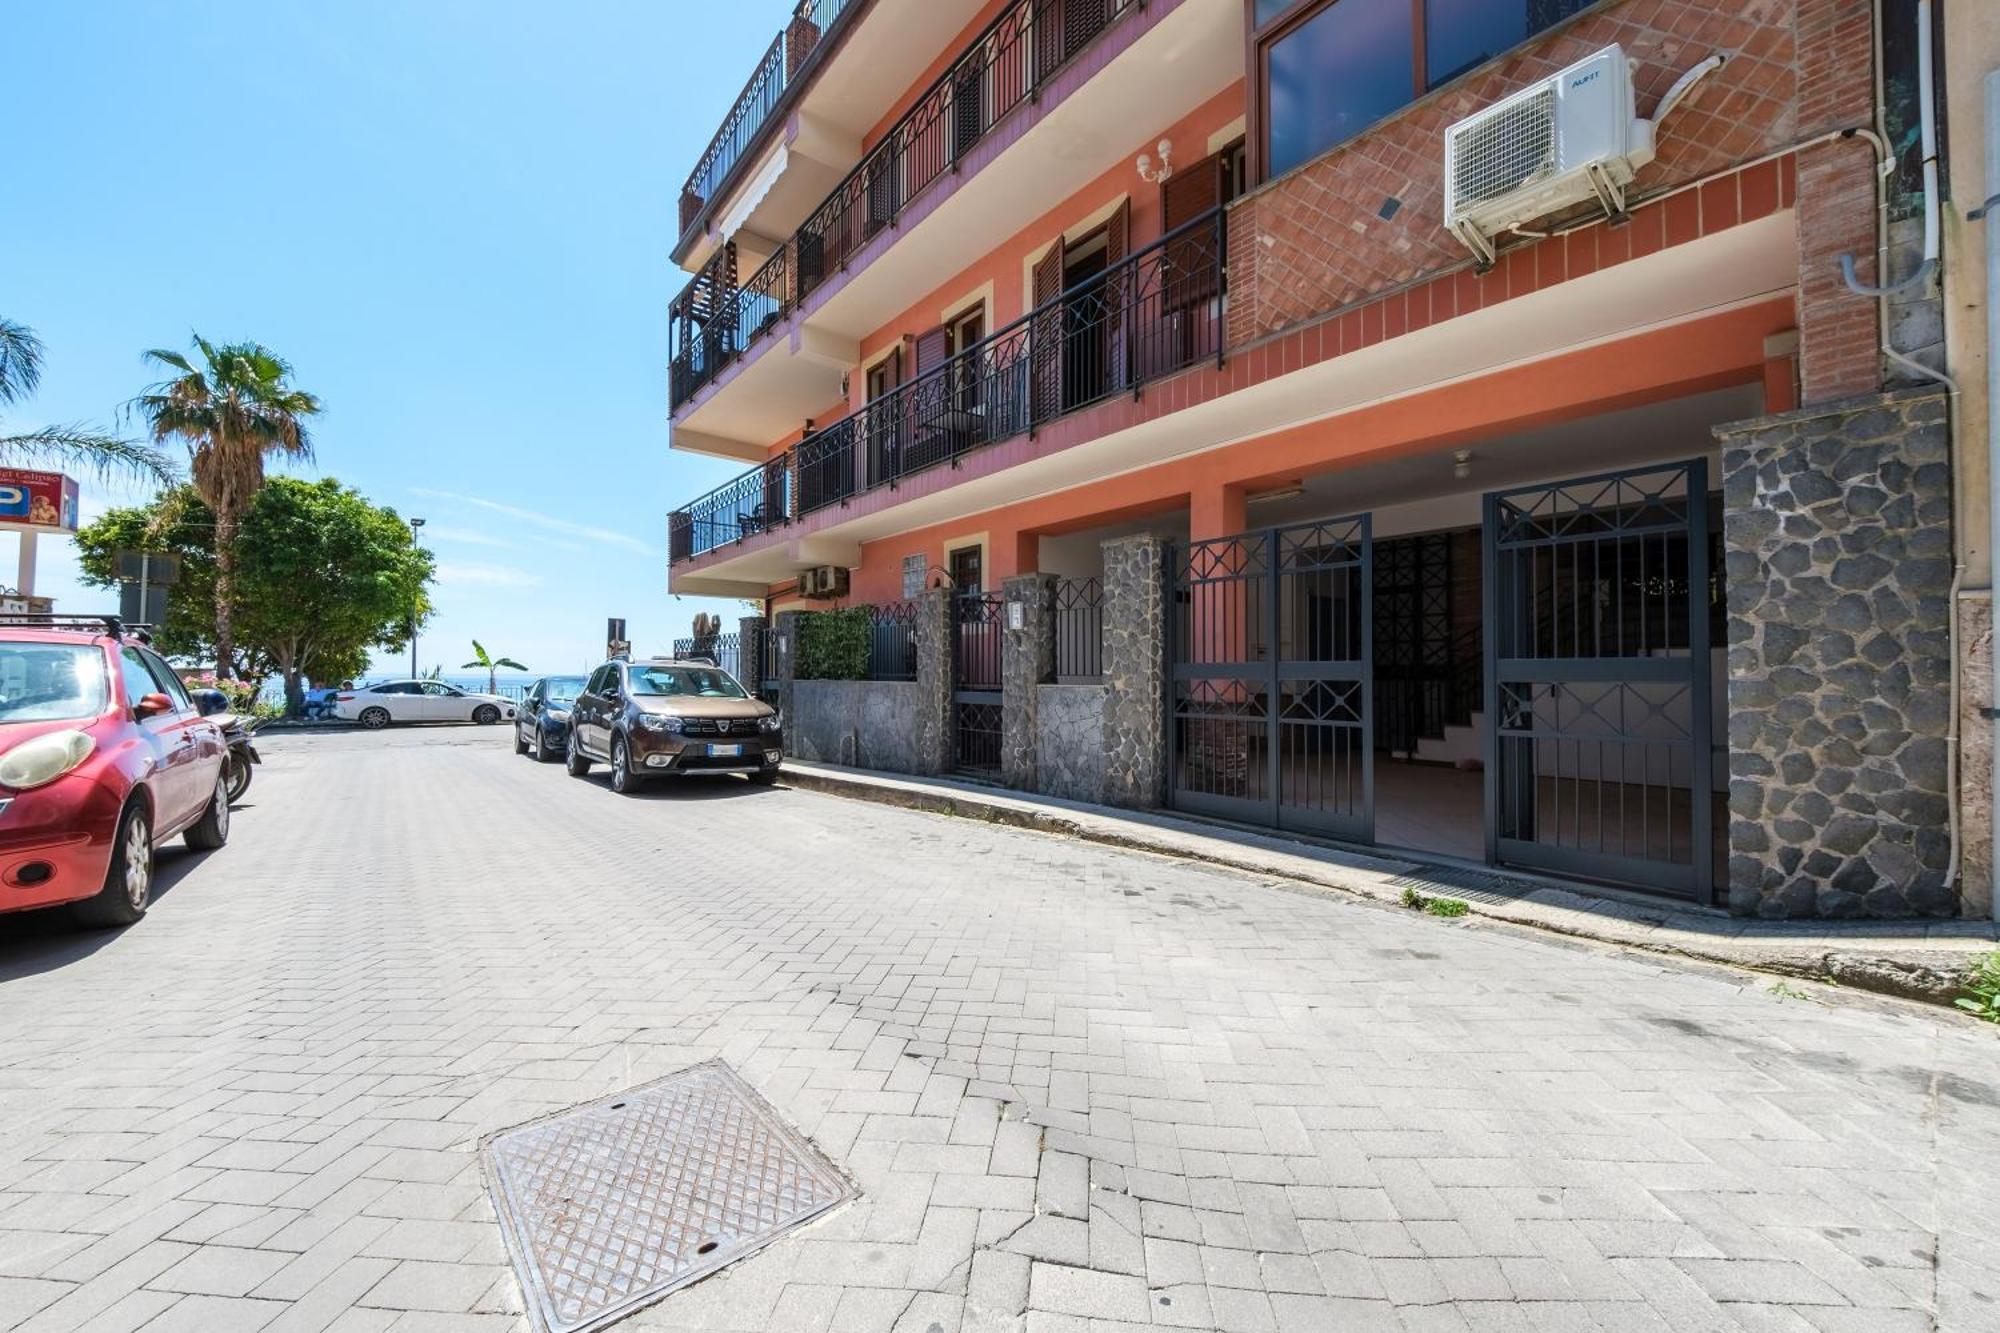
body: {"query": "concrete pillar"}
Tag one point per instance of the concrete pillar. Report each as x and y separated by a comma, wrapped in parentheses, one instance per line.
(1135, 735)
(934, 680)
(1027, 661)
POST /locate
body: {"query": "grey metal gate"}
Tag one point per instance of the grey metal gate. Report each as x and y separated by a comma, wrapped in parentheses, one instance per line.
(975, 681)
(1270, 713)
(1599, 679)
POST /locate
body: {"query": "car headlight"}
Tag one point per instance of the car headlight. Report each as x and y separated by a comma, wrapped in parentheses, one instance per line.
(40, 761)
(769, 725)
(655, 722)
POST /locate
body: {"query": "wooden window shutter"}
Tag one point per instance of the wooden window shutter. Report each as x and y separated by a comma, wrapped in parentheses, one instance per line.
(1047, 336)
(933, 349)
(1118, 295)
(1190, 263)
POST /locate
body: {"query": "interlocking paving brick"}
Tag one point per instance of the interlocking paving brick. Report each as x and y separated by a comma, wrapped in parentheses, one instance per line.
(1082, 1091)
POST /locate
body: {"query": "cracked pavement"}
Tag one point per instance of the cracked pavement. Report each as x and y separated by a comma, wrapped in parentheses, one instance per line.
(1083, 1090)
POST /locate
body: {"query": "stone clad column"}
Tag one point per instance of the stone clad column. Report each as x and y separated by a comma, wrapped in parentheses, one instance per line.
(787, 632)
(1838, 539)
(1027, 661)
(933, 696)
(751, 632)
(1135, 737)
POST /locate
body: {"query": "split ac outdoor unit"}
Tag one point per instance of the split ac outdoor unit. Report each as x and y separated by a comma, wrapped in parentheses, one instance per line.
(827, 582)
(1571, 137)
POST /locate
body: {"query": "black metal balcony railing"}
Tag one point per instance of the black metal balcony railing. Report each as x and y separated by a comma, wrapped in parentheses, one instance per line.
(1155, 313)
(1007, 64)
(779, 70)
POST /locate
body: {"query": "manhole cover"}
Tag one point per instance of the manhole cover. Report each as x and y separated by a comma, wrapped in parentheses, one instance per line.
(615, 1205)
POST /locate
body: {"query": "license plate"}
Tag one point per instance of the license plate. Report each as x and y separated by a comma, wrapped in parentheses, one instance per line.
(725, 752)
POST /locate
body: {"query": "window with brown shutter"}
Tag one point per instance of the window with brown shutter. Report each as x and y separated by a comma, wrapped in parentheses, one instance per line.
(1047, 336)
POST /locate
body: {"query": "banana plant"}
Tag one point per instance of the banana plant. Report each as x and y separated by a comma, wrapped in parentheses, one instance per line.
(485, 661)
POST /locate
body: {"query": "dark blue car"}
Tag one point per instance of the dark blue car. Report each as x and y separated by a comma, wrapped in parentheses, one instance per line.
(541, 727)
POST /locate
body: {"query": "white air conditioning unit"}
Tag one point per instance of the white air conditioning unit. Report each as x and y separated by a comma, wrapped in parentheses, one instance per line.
(1574, 136)
(827, 582)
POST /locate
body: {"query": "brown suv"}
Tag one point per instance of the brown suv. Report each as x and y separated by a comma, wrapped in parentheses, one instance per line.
(671, 718)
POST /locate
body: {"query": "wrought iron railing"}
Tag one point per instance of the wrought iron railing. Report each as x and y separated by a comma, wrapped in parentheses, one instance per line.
(779, 70)
(725, 650)
(1151, 315)
(1006, 65)
(1079, 617)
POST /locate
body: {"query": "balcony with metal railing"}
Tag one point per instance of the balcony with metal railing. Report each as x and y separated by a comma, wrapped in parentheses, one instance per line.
(1155, 313)
(780, 70)
(717, 319)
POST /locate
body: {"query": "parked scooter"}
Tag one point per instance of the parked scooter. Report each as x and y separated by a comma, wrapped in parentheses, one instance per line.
(237, 734)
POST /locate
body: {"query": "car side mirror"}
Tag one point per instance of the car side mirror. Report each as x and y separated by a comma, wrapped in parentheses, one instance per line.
(153, 705)
(210, 702)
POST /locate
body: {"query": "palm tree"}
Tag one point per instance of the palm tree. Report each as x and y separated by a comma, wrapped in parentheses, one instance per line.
(485, 661)
(232, 412)
(64, 446)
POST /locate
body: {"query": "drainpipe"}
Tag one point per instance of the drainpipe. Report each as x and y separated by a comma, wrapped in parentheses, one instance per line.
(1993, 389)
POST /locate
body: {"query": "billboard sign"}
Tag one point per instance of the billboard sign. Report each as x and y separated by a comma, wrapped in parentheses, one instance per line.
(40, 500)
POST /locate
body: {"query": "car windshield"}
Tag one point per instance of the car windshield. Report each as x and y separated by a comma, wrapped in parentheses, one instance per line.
(44, 682)
(565, 689)
(685, 682)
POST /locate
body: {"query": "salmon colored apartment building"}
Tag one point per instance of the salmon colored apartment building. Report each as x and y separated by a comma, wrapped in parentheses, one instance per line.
(1471, 426)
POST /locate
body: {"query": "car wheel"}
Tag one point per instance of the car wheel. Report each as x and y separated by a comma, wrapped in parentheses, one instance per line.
(520, 745)
(128, 880)
(374, 718)
(212, 829)
(543, 754)
(764, 777)
(485, 715)
(623, 780)
(579, 764)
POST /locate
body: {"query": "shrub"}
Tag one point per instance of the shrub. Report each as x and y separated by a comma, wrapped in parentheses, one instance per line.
(245, 699)
(1982, 988)
(833, 645)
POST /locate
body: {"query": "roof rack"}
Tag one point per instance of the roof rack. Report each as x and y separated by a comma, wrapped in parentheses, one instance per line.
(111, 625)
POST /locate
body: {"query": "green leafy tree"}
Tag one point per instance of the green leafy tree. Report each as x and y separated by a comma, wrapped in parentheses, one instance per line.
(63, 446)
(485, 661)
(233, 412)
(324, 578)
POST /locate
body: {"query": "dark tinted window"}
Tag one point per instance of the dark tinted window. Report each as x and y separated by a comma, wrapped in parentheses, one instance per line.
(1336, 74)
(1462, 34)
(398, 687)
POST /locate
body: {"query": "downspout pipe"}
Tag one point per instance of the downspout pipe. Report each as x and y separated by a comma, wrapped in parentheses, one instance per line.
(1993, 391)
(1927, 105)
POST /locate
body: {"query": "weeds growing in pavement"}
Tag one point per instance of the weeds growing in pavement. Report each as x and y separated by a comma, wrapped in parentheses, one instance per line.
(1982, 988)
(1446, 907)
(1785, 992)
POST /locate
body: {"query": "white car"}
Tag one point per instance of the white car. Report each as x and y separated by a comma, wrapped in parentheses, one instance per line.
(419, 701)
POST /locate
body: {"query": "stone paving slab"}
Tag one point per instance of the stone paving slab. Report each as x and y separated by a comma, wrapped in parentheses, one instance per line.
(1917, 960)
(1082, 1089)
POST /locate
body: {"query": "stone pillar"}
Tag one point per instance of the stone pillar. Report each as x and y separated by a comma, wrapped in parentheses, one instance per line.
(751, 632)
(1135, 735)
(1838, 544)
(934, 645)
(801, 40)
(1027, 661)
(787, 630)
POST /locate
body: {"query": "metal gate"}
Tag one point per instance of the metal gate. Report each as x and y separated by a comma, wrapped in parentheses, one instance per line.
(975, 681)
(1270, 713)
(1598, 602)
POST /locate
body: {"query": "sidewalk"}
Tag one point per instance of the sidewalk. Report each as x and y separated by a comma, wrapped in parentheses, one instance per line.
(1916, 960)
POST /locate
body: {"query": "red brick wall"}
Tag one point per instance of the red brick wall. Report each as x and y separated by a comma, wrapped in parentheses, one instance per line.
(1314, 242)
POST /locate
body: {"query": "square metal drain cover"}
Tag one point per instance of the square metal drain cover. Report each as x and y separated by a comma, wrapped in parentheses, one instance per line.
(612, 1206)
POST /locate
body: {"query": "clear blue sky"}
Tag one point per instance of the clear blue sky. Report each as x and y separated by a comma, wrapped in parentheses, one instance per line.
(452, 216)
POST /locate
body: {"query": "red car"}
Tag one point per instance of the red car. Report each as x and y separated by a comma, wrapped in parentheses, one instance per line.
(103, 757)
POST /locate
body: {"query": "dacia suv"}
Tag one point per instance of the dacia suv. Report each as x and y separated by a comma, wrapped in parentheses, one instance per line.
(670, 718)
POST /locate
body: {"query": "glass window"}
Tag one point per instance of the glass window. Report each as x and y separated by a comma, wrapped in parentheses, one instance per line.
(1463, 34)
(396, 687)
(1270, 9)
(914, 569)
(1334, 75)
(47, 682)
(138, 680)
(438, 689)
(562, 689)
(168, 679)
(684, 682)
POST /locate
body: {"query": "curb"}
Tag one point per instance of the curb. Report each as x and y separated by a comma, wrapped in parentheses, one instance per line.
(1936, 980)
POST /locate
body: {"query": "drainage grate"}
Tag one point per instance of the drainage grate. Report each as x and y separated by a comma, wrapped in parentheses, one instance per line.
(615, 1205)
(1479, 886)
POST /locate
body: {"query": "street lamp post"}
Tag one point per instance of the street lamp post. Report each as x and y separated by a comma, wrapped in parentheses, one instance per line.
(416, 524)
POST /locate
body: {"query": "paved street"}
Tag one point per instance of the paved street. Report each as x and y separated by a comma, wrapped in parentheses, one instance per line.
(1083, 1090)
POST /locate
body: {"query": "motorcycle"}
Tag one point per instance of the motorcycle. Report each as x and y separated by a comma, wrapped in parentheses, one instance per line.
(237, 734)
